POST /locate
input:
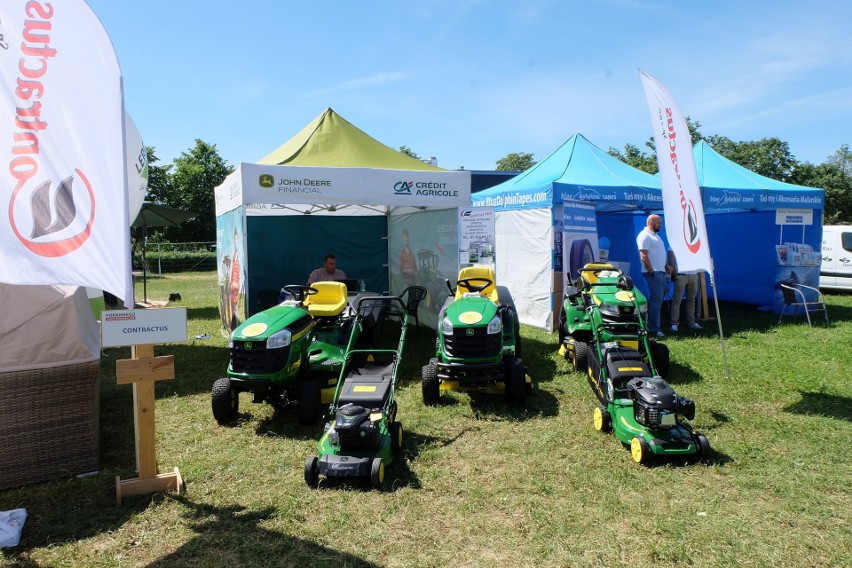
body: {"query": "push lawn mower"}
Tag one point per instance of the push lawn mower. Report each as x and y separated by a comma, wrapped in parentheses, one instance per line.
(604, 304)
(608, 341)
(290, 353)
(479, 341)
(362, 432)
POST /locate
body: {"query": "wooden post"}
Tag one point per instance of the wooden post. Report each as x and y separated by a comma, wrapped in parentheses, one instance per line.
(142, 371)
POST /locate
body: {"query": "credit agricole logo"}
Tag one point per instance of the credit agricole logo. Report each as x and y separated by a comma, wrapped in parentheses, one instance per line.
(403, 187)
(266, 180)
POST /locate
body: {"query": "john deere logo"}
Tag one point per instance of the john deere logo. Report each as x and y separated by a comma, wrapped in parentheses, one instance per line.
(403, 187)
(469, 331)
(266, 180)
(247, 345)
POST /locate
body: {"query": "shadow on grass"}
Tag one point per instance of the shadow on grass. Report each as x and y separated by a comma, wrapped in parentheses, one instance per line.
(285, 423)
(682, 375)
(495, 407)
(822, 404)
(234, 536)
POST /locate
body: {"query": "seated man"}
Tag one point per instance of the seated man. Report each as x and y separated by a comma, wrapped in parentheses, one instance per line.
(327, 272)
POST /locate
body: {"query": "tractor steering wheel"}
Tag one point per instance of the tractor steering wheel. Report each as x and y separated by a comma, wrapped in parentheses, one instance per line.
(300, 292)
(469, 284)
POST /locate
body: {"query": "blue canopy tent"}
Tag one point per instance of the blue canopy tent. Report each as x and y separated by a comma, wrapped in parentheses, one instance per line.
(749, 217)
(530, 213)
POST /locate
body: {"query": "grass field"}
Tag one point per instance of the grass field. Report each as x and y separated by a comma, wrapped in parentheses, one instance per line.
(482, 483)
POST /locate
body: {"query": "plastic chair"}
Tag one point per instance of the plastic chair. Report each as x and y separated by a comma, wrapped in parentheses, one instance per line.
(797, 296)
(411, 297)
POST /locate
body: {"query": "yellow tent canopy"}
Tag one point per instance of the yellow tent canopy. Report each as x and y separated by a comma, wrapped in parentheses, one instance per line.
(330, 140)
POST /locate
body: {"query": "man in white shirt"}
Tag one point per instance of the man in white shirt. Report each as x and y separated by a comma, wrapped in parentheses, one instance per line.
(327, 272)
(652, 254)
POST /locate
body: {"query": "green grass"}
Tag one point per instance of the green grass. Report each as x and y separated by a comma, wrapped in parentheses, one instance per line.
(482, 483)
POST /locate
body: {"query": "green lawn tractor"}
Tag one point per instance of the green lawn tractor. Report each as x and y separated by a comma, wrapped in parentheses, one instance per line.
(608, 341)
(290, 354)
(362, 433)
(478, 342)
(604, 304)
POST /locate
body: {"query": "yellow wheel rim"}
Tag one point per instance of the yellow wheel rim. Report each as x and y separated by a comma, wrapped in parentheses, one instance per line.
(399, 438)
(598, 419)
(636, 450)
(382, 472)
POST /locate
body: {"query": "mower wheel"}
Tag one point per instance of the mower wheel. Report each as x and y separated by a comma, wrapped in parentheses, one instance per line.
(225, 401)
(377, 472)
(660, 354)
(581, 356)
(602, 420)
(310, 398)
(703, 447)
(395, 431)
(640, 450)
(431, 385)
(311, 471)
(516, 379)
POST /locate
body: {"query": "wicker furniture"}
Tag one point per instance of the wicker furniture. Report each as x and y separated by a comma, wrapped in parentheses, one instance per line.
(48, 423)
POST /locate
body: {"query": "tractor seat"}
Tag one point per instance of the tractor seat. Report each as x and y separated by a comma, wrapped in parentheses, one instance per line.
(588, 272)
(479, 272)
(329, 301)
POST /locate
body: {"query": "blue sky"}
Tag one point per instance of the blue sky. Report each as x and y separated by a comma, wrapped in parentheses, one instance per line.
(469, 81)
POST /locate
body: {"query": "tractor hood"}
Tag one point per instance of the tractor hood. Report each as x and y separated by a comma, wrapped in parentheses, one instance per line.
(474, 311)
(268, 322)
(605, 294)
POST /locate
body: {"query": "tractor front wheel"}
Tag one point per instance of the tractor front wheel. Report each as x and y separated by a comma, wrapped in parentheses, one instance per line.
(430, 384)
(225, 401)
(581, 356)
(516, 379)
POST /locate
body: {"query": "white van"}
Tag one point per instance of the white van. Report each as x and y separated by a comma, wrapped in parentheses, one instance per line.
(836, 269)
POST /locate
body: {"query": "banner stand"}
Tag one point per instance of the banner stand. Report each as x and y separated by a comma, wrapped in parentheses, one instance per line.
(142, 371)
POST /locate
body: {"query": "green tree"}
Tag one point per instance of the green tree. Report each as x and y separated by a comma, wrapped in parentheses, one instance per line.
(843, 159)
(770, 157)
(409, 152)
(516, 162)
(647, 161)
(196, 174)
(838, 189)
(159, 177)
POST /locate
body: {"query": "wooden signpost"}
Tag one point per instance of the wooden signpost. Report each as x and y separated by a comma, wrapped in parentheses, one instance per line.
(142, 371)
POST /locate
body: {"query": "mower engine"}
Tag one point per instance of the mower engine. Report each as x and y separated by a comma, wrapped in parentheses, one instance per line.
(656, 404)
(355, 427)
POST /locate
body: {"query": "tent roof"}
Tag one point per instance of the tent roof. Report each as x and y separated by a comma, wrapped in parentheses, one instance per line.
(330, 140)
(577, 170)
(726, 184)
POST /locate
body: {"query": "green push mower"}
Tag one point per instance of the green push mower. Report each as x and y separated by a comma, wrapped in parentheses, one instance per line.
(605, 335)
(362, 433)
(290, 354)
(478, 343)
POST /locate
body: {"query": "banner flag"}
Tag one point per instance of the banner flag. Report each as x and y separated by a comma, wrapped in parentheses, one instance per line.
(684, 211)
(63, 182)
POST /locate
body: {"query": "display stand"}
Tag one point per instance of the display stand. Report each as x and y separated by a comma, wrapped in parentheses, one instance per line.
(142, 371)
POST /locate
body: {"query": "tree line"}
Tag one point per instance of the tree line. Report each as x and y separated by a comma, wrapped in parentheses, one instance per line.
(189, 181)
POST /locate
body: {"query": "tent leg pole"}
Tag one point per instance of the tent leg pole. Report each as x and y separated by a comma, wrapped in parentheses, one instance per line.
(721, 335)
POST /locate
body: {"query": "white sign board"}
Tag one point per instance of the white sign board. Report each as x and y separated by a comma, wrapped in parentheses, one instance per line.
(143, 327)
(794, 216)
(476, 236)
